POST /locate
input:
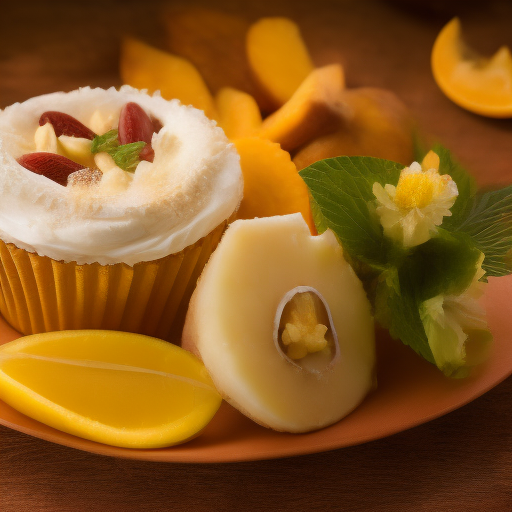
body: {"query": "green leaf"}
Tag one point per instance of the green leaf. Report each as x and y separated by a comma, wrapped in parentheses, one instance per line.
(489, 223)
(444, 265)
(127, 155)
(397, 309)
(341, 191)
(107, 142)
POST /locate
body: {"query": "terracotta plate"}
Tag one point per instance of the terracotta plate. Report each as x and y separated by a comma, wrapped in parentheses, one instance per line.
(410, 392)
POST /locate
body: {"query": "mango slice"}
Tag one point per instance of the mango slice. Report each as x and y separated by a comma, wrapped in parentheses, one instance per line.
(145, 67)
(278, 57)
(116, 388)
(480, 85)
(234, 314)
(375, 123)
(314, 109)
(238, 113)
(272, 185)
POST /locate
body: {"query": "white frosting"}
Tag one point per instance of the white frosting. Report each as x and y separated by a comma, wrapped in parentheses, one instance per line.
(194, 183)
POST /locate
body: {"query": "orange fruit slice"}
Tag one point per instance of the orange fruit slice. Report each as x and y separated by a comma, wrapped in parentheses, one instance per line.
(116, 388)
(272, 184)
(480, 85)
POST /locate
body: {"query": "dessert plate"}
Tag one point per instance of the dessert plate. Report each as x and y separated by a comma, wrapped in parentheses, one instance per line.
(410, 392)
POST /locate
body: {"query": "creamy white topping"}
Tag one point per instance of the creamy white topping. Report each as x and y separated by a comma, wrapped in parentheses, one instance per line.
(194, 183)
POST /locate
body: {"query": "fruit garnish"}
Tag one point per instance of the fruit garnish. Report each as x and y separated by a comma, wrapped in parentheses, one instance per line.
(478, 84)
(240, 308)
(64, 124)
(145, 67)
(272, 185)
(116, 388)
(424, 241)
(314, 108)
(238, 113)
(136, 126)
(77, 149)
(55, 167)
(45, 139)
(278, 57)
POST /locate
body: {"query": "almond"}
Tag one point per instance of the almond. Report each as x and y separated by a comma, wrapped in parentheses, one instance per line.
(52, 166)
(134, 126)
(64, 124)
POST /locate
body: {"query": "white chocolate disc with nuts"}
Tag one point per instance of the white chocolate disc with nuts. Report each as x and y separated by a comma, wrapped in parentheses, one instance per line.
(283, 325)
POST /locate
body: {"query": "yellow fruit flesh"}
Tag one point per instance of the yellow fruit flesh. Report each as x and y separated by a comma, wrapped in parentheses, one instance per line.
(483, 86)
(116, 388)
(231, 317)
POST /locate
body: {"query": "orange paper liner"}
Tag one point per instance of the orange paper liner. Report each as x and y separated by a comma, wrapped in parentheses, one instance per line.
(39, 294)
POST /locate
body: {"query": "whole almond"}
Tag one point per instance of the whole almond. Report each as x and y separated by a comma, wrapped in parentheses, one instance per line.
(64, 124)
(134, 126)
(55, 167)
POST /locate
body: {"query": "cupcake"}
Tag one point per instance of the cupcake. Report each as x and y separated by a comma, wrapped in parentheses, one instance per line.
(99, 230)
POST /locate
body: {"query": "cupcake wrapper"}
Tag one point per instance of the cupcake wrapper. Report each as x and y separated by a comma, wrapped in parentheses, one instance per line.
(38, 294)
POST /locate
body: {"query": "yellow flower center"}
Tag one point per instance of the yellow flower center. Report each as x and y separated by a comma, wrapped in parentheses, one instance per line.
(414, 191)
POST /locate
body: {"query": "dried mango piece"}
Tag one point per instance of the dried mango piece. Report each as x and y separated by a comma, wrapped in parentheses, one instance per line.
(272, 185)
(278, 57)
(145, 67)
(480, 85)
(314, 109)
(238, 113)
(116, 388)
(376, 123)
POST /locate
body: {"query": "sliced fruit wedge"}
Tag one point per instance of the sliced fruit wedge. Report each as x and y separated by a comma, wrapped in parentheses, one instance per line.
(115, 388)
(283, 325)
(480, 85)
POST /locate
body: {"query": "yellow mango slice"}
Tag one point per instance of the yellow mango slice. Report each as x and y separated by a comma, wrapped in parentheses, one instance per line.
(145, 67)
(278, 57)
(480, 85)
(375, 123)
(272, 185)
(116, 388)
(238, 113)
(314, 109)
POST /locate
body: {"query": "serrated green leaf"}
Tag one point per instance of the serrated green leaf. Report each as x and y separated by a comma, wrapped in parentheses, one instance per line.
(107, 142)
(341, 189)
(488, 222)
(398, 308)
(127, 155)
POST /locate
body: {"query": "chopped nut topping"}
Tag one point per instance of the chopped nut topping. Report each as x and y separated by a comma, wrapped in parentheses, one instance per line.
(303, 334)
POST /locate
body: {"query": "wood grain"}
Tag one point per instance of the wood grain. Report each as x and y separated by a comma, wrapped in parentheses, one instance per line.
(462, 461)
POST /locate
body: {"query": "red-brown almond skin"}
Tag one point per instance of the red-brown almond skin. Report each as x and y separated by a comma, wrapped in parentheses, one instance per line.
(55, 167)
(135, 126)
(64, 124)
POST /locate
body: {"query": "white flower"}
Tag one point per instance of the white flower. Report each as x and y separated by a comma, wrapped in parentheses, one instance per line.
(411, 211)
(456, 327)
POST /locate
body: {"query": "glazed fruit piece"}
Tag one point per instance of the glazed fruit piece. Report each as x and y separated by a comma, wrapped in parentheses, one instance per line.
(145, 67)
(278, 58)
(241, 310)
(314, 109)
(116, 388)
(481, 85)
(64, 124)
(272, 185)
(55, 167)
(136, 126)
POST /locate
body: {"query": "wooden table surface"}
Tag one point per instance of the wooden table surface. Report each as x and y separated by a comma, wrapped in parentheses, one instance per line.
(459, 462)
